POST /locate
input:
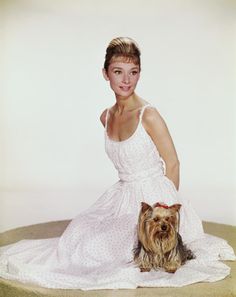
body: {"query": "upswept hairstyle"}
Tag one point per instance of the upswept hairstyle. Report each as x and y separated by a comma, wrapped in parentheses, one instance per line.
(124, 48)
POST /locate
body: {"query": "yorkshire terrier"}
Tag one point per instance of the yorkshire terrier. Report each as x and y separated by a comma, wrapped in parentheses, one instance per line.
(159, 243)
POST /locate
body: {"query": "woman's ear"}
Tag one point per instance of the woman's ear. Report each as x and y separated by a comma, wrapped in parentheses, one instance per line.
(104, 72)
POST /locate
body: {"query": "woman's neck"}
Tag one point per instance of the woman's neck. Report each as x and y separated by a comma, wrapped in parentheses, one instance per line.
(125, 104)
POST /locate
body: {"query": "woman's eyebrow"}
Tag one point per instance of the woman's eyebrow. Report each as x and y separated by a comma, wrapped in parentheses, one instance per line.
(120, 68)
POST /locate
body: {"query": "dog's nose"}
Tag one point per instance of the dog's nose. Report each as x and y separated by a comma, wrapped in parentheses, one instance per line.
(163, 227)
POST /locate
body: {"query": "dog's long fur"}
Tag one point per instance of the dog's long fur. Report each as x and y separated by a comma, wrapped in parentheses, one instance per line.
(159, 243)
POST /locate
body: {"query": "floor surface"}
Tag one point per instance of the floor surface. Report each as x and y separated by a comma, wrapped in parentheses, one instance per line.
(223, 288)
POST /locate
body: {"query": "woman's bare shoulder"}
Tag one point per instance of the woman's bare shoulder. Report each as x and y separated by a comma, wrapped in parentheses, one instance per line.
(104, 114)
(153, 119)
(151, 113)
(103, 117)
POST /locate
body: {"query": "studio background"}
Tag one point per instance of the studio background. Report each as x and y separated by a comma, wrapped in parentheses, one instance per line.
(52, 159)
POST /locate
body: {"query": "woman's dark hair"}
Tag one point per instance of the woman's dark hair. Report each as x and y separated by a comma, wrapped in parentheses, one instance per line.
(123, 48)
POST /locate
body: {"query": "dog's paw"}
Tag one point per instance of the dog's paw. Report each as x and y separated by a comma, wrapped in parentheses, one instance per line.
(171, 267)
(171, 270)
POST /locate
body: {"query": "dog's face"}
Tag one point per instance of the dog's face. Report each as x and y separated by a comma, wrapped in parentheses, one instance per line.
(163, 219)
(158, 223)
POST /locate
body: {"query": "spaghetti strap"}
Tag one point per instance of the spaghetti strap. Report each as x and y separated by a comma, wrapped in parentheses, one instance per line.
(106, 119)
(142, 111)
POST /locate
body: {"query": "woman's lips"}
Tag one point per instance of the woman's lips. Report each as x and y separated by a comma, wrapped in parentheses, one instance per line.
(125, 88)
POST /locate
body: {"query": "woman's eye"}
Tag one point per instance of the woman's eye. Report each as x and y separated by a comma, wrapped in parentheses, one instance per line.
(117, 72)
(134, 72)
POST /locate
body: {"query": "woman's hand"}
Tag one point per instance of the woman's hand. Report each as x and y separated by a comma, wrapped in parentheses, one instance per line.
(158, 131)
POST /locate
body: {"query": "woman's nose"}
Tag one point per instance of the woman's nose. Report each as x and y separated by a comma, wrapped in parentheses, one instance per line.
(126, 78)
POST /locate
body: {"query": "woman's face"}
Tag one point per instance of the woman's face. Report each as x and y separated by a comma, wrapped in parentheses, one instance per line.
(123, 77)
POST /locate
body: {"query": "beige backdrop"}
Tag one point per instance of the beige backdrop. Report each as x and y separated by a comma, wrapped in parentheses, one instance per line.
(52, 161)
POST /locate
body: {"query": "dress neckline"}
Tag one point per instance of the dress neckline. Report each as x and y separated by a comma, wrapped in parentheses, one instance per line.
(135, 131)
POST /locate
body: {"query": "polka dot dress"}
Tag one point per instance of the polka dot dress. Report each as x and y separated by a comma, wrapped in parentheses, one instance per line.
(95, 250)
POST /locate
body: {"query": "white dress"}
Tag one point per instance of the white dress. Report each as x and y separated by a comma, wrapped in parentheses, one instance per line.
(95, 250)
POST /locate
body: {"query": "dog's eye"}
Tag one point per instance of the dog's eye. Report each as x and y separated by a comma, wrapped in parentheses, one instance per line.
(156, 219)
(167, 219)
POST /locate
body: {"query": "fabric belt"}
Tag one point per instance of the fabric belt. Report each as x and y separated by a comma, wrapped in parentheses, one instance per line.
(141, 175)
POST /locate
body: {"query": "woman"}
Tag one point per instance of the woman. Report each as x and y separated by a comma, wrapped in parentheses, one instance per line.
(122, 69)
(95, 250)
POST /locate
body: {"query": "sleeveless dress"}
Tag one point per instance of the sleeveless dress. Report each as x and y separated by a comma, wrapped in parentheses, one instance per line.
(95, 250)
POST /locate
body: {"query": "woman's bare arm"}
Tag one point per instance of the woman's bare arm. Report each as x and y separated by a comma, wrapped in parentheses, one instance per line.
(158, 131)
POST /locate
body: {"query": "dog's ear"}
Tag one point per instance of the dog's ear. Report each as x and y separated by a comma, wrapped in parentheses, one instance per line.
(145, 206)
(175, 207)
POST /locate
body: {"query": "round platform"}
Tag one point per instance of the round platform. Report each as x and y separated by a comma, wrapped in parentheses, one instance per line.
(224, 288)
